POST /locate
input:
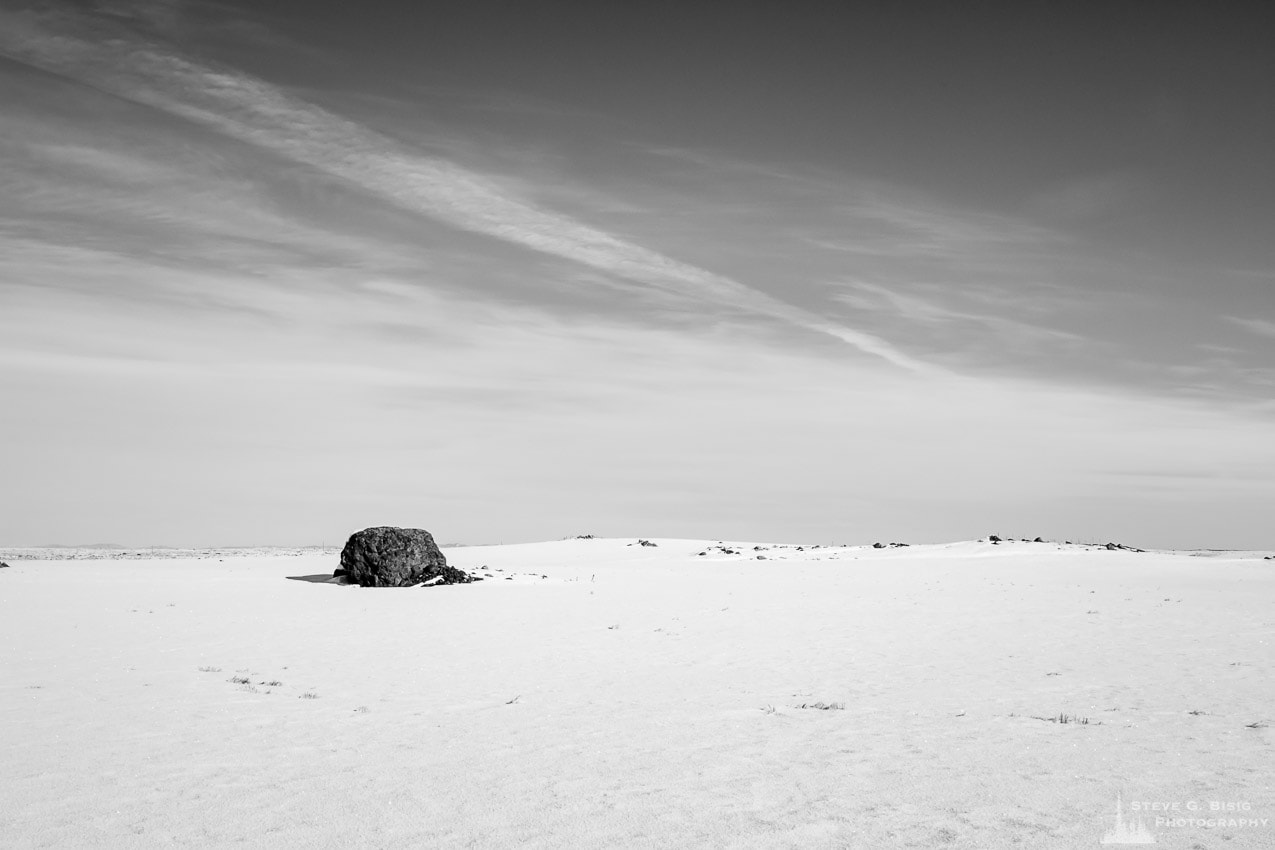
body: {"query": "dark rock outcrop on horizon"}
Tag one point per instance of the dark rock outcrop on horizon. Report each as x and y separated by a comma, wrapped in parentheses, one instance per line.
(1112, 547)
(385, 556)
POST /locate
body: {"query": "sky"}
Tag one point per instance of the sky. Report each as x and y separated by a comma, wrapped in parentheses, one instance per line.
(271, 273)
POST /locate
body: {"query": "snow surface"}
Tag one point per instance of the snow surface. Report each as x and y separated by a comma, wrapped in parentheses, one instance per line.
(597, 693)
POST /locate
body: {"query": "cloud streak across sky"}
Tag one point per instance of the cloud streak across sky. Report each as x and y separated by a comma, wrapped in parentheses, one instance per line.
(253, 111)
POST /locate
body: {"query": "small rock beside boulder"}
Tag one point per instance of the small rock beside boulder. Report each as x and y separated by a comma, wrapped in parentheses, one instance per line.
(385, 556)
(1112, 547)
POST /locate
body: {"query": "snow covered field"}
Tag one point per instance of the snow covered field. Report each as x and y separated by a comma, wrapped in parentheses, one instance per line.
(597, 693)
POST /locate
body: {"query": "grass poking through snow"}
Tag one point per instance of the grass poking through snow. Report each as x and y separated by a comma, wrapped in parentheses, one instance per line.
(1064, 719)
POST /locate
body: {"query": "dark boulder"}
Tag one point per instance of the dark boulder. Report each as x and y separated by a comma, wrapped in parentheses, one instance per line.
(3, 565)
(396, 557)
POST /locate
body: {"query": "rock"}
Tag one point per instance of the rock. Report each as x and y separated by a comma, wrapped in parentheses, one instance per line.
(1111, 547)
(878, 545)
(449, 575)
(3, 565)
(1038, 540)
(396, 557)
(646, 543)
(993, 538)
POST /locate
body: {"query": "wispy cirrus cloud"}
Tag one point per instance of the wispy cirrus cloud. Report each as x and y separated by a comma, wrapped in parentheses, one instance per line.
(928, 309)
(251, 110)
(915, 230)
(69, 193)
(158, 15)
(1261, 327)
